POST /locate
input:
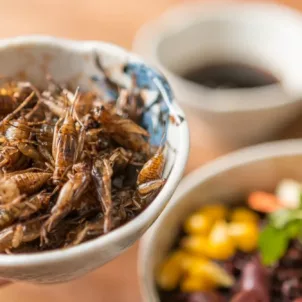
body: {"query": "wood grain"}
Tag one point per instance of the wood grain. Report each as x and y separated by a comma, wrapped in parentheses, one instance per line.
(115, 21)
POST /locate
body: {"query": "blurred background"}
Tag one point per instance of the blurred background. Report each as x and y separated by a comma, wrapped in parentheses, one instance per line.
(115, 21)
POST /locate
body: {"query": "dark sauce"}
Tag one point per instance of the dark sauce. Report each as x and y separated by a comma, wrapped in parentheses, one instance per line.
(230, 75)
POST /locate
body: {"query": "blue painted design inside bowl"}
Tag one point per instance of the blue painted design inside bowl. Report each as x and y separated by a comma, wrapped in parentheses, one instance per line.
(145, 77)
(109, 94)
(158, 111)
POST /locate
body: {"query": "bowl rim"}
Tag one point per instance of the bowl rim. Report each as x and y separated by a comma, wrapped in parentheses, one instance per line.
(150, 214)
(263, 151)
(193, 12)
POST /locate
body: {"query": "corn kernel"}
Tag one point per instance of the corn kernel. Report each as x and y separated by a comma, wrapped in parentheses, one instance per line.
(170, 272)
(215, 211)
(212, 272)
(198, 224)
(191, 260)
(220, 244)
(245, 235)
(195, 244)
(196, 284)
(244, 215)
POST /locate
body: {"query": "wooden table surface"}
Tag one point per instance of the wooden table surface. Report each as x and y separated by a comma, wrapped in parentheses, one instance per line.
(115, 21)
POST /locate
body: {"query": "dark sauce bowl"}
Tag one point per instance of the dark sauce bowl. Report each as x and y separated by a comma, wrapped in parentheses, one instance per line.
(234, 66)
(227, 180)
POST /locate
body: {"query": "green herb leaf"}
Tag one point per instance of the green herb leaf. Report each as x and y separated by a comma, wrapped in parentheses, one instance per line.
(273, 244)
(283, 225)
(293, 229)
(281, 218)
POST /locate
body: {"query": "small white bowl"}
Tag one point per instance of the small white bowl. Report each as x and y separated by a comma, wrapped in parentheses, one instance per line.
(73, 62)
(226, 180)
(267, 36)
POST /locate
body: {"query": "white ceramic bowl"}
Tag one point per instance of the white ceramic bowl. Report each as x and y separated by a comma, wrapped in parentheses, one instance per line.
(73, 61)
(268, 36)
(227, 180)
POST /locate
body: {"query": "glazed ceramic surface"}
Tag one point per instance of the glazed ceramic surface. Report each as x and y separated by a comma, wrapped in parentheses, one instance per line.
(227, 180)
(74, 62)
